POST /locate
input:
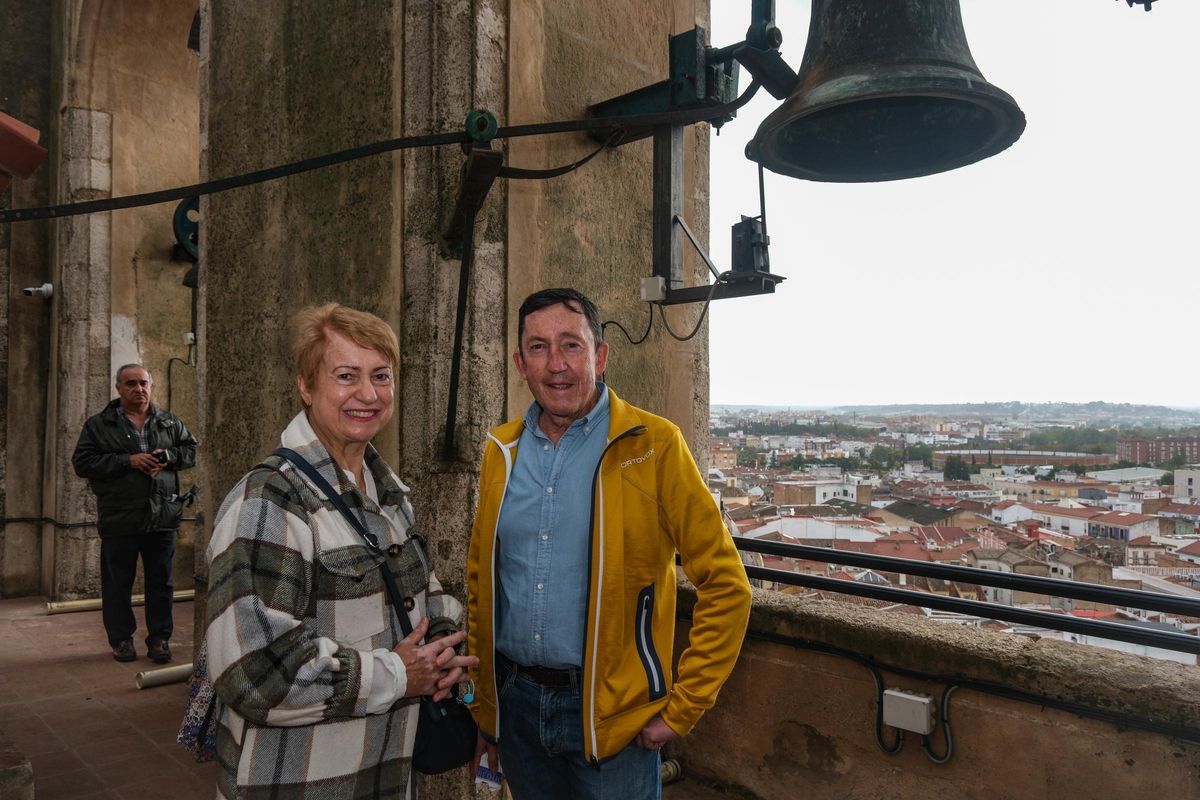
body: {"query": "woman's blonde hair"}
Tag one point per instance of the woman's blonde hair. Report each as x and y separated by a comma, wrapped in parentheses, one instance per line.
(313, 325)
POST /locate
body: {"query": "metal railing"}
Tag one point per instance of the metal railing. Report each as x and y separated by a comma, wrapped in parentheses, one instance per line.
(1111, 595)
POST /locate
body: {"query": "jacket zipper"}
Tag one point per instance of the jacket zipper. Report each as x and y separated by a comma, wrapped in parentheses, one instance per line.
(508, 466)
(645, 644)
(589, 724)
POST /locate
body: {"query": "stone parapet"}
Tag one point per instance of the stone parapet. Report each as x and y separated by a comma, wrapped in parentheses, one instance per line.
(796, 720)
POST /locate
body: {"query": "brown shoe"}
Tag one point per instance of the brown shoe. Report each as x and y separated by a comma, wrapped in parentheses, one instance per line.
(159, 652)
(124, 651)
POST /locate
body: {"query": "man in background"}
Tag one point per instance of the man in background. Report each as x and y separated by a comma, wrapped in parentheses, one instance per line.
(131, 454)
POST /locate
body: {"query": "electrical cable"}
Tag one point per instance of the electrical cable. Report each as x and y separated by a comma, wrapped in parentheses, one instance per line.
(895, 748)
(1118, 719)
(945, 716)
(724, 276)
(619, 326)
(624, 123)
(170, 363)
(62, 525)
(518, 173)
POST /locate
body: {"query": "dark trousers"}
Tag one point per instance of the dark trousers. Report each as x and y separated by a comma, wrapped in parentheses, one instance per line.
(118, 566)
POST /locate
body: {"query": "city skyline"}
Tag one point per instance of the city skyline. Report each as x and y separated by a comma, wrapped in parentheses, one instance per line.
(1058, 270)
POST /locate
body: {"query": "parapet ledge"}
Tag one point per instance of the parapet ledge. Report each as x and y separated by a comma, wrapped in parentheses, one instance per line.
(1164, 691)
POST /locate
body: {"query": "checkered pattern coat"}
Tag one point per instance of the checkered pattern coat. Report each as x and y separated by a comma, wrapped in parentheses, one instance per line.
(296, 605)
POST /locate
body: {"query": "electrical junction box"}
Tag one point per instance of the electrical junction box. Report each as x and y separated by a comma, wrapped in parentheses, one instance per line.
(908, 710)
(654, 290)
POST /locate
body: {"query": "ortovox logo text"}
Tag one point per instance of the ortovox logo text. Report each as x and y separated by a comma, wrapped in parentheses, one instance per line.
(630, 462)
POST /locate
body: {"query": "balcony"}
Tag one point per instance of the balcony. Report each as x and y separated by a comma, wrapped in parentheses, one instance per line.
(1028, 718)
(1031, 718)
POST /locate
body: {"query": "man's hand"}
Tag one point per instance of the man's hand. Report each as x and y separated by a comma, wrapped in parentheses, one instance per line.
(433, 668)
(482, 746)
(145, 462)
(655, 734)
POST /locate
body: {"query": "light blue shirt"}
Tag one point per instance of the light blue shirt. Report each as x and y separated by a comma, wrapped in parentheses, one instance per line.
(543, 540)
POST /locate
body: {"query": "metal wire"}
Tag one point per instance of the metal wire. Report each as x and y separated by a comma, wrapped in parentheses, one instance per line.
(620, 327)
(703, 312)
(685, 117)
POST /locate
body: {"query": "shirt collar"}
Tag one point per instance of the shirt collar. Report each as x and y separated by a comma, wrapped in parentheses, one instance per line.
(599, 411)
(121, 411)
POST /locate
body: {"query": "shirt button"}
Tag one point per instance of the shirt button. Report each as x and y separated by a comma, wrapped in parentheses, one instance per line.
(549, 490)
(541, 586)
(537, 637)
(545, 447)
(545, 536)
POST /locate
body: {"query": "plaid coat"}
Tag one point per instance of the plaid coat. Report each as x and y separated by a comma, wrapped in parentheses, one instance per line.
(296, 605)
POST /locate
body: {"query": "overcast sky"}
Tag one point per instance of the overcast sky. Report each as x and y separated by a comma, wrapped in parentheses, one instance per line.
(1063, 269)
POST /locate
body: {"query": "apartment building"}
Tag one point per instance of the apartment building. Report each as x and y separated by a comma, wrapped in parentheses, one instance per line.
(1158, 449)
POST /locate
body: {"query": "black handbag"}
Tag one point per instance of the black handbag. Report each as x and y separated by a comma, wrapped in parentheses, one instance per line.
(446, 732)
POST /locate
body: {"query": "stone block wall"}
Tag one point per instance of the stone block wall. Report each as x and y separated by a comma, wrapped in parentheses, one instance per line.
(799, 721)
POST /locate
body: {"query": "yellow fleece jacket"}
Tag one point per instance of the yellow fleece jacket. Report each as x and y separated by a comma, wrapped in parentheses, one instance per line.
(648, 503)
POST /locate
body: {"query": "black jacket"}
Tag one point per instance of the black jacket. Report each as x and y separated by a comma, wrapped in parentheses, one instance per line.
(128, 500)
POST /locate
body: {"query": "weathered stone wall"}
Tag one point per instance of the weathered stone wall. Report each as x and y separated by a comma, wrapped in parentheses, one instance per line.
(286, 80)
(129, 124)
(124, 121)
(25, 93)
(796, 722)
(591, 229)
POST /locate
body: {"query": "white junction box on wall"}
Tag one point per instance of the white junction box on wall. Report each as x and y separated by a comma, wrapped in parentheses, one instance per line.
(908, 710)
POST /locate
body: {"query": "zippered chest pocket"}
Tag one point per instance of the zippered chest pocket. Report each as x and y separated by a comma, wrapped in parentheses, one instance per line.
(644, 641)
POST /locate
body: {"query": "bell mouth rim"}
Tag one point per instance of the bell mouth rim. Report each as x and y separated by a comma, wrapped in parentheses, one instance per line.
(1009, 120)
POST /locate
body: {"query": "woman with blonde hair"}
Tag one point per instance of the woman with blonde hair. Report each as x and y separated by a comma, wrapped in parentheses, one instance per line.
(318, 681)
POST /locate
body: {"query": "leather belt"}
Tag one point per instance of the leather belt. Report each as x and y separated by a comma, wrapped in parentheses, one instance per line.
(544, 676)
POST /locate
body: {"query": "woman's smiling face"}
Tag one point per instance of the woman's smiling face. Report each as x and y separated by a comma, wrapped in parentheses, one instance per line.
(350, 399)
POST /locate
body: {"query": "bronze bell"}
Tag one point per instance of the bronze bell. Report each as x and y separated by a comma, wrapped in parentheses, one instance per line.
(887, 90)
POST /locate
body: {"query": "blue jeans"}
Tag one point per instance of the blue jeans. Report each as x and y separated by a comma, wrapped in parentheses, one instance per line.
(541, 748)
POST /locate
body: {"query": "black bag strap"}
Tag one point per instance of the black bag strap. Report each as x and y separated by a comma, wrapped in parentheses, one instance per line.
(389, 580)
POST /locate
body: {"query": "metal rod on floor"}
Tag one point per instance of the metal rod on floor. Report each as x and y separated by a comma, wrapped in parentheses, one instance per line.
(149, 678)
(95, 604)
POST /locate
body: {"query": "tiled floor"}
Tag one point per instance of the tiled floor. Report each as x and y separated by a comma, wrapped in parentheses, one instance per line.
(78, 716)
(87, 729)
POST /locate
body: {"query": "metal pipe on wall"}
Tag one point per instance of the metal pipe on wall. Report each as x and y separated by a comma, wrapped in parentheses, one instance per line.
(95, 604)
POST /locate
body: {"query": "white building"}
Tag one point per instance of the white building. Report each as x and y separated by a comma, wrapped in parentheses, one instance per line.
(1187, 483)
(1071, 521)
(1128, 475)
(1010, 512)
(1122, 526)
(839, 529)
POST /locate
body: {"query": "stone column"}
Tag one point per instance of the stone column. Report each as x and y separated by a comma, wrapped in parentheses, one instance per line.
(80, 352)
(24, 321)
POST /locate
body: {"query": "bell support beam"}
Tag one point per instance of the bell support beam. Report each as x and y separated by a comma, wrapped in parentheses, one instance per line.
(667, 242)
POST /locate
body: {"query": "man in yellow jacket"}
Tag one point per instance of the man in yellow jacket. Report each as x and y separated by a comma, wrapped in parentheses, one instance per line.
(583, 504)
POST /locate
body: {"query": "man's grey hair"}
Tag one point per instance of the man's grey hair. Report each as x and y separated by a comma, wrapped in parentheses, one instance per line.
(123, 367)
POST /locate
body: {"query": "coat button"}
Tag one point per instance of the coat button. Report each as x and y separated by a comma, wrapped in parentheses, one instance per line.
(394, 550)
(409, 604)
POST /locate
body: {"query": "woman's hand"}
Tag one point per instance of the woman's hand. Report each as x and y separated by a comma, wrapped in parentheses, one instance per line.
(433, 668)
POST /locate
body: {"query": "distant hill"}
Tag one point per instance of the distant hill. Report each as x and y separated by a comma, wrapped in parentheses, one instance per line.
(1096, 413)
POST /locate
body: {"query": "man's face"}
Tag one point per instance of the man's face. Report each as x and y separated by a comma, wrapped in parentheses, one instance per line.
(134, 387)
(559, 359)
